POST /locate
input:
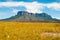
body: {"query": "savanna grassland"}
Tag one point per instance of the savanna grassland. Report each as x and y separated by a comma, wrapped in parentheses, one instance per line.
(29, 31)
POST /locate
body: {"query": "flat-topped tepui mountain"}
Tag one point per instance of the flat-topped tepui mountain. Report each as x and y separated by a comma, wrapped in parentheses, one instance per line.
(24, 16)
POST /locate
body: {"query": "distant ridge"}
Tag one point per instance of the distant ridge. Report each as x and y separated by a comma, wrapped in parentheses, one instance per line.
(24, 16)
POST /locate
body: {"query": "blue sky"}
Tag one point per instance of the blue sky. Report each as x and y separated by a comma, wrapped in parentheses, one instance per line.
(42, 1)
(10, 8)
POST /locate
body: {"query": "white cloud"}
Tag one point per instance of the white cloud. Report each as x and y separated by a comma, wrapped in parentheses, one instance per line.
(55, 6)
(15, 11)
(33, 7)
(11, 4)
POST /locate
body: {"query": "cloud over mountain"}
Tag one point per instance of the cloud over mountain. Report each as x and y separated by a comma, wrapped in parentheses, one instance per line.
(33, 7)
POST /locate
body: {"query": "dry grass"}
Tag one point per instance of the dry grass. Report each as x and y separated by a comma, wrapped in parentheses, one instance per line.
(28, 31)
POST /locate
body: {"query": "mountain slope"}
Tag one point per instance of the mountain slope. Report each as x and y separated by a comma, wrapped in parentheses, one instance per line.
(24, 16)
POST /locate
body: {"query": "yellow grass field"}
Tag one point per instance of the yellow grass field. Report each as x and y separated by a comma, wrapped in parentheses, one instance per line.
(29, 31)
